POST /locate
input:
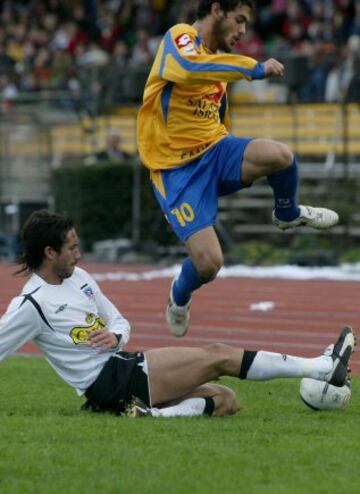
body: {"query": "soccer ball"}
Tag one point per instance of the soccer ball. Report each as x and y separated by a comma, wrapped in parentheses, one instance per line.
(320, 395)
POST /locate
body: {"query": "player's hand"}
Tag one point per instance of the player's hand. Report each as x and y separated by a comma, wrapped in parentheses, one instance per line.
(102, 340)
(273, 68)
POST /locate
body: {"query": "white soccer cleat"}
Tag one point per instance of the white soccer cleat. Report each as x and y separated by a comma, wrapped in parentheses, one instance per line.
(177, 316)
(340, 354)
(318, 218)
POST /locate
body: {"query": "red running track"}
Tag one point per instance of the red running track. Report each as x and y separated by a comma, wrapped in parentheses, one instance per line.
(306, 317)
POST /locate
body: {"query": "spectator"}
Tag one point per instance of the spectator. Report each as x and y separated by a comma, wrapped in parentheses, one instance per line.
(352, 91)
(91, 55)
(355, 29)
(6, 61)
(8, 91)
(112, 152)
(141, 54)
(321, 63)
(120, 54)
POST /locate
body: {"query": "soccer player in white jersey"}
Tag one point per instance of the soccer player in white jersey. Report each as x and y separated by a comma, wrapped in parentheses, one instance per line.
(82, 334)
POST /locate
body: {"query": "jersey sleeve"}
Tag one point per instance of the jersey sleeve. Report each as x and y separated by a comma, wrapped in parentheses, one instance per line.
(183, 62)
(20, 324)
(115, 322)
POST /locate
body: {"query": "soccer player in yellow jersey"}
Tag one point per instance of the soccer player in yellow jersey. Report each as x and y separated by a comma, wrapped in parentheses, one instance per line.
(183, 139)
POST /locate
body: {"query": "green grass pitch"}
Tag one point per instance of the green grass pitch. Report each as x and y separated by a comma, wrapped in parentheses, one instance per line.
(274, 445)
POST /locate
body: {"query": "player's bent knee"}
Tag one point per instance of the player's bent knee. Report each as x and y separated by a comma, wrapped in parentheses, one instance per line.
(208, 273)
(226, 402)
(208, 265)
(285, 155)
(232, 404)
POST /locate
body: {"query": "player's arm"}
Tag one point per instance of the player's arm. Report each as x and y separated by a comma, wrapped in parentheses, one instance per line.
(181, 62)
(20, 324)
(118, 328)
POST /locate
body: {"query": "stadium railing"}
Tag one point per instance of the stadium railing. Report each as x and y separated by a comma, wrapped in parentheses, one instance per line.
(312, 130)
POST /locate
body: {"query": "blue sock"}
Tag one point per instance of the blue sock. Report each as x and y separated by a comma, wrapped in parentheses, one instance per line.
(284, 184)
(188, 281)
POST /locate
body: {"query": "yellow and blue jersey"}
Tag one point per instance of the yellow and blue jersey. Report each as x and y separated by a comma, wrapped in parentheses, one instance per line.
(185, 110)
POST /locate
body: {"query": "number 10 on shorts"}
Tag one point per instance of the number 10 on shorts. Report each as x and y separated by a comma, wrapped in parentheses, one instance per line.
(184, 214)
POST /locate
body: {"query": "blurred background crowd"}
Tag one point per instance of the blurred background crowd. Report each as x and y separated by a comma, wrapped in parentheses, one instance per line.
(72, 74)
(51, 44)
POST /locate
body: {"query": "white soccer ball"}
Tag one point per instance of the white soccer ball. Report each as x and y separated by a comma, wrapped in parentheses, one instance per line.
(320, 395)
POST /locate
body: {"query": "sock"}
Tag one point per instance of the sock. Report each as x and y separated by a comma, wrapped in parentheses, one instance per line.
(247, 360)
(188, 281)
(269, 365)
(191, 407)
(284, 184)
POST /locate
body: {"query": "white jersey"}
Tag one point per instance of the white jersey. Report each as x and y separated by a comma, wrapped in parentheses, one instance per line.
(58, 318)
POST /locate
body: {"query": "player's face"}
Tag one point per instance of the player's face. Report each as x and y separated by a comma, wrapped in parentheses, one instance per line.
(231, 27)
(66, 260)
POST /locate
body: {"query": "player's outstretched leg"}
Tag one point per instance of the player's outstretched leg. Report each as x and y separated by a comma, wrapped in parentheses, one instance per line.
(176, 372)
(332, 366)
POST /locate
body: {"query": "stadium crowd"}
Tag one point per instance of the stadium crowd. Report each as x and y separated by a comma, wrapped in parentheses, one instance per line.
(49, 44)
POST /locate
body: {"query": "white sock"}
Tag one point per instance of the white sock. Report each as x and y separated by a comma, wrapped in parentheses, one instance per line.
(269, 365)
(187, 408)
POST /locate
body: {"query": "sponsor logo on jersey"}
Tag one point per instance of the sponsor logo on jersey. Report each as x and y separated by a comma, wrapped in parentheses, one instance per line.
(207, 106)
(79, 334)
(61, 308)
(185, 44)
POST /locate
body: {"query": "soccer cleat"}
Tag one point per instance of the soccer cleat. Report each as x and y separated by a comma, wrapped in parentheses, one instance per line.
(317, 218)
(340, 354)
(137, 409)
(177, 316)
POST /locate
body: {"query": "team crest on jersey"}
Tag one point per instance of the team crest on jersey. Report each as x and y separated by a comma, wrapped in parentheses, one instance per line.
(185, 44)
(88, 292)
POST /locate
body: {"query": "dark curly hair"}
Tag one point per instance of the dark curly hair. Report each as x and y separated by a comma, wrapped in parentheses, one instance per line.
(204, 7)
(42, 229)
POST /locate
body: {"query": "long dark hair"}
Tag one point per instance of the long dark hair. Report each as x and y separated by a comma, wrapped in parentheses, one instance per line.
(204, 7)
(42, 229)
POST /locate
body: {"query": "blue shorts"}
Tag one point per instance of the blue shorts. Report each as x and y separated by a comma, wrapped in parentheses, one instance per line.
(192, 190)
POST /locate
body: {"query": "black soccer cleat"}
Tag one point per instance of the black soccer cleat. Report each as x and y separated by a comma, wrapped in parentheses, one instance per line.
(137, 408)
(341, 353)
